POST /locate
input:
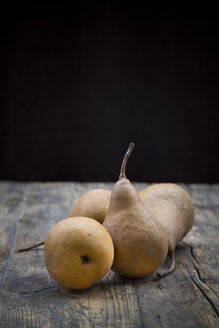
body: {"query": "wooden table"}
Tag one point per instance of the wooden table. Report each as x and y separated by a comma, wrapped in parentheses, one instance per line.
(30, 298)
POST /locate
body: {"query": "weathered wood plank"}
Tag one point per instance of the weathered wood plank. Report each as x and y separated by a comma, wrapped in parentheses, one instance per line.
(30, 298)
(203, 239)
(177, 300)
(11, 200)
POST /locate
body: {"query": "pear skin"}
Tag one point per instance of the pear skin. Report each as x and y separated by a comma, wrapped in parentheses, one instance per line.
(93, 204)
(172, 207)
(78, 252)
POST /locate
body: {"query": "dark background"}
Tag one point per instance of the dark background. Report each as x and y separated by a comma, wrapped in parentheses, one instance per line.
(79, 83)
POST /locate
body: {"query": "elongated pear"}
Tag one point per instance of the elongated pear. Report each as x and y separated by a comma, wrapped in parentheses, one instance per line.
(140, 242)
(173, 208)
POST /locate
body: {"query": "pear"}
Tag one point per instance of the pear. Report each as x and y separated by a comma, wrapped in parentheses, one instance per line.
(172, 207)
(140, 242)
(78, 252)
(93, 204)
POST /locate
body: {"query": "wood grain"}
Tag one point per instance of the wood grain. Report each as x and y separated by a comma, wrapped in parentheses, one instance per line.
(30, 298)
(11, 205)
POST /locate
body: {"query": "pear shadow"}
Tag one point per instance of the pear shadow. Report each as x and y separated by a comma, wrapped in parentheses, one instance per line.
(29, 284)
(45, 285)
(113, 279)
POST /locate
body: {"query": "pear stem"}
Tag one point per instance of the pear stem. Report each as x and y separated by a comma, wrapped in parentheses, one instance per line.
(170, 270)
(30, 247)
(127, 154)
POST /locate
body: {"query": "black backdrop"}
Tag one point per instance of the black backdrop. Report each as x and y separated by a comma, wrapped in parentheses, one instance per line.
(79, 83)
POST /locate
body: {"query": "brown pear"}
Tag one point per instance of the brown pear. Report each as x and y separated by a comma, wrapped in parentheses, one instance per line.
(140, 242)
(172, 207)
(93, 204)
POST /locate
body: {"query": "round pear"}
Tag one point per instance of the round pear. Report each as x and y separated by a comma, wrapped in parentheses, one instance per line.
(93, 204)
(78, 252)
